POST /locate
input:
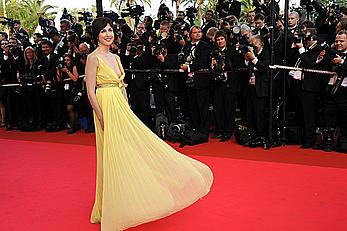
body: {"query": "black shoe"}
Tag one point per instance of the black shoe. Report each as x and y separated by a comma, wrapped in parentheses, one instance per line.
(70, 131)
(89, 130)
(9, 127)
(258, 142)
(306, 146)
(225, 138)
(217, 136)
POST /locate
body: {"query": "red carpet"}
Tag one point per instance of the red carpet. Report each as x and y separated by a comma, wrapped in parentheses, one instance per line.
(47, 184)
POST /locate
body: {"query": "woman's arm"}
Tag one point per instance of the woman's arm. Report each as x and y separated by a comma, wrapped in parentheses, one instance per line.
(75, 74)
(91, 67)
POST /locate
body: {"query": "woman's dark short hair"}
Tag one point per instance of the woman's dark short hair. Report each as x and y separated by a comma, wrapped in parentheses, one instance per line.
(99, 24)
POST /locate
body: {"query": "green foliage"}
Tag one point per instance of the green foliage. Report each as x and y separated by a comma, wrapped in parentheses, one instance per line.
(28, 11)
(246, 7)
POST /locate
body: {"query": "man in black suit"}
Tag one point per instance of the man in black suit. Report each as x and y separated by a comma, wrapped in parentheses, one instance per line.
(228, 7)
(208, 23)
(139, 88)
(307, 85)
(197, 57)
(53, 89)
(226, 87)
(257, 58)
(165, 85)
(335, 103)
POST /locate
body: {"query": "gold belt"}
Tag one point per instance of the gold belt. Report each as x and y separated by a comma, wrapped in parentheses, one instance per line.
(107, 85)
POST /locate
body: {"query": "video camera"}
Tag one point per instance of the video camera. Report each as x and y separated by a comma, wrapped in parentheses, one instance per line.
(111, 15)
(191, 14)
(87, 18)
(7, 22)
(66, 15)
(134, 11)
(163, 12)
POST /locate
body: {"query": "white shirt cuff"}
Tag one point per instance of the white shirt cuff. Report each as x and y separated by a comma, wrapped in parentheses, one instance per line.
(302, 50)
(255, 60)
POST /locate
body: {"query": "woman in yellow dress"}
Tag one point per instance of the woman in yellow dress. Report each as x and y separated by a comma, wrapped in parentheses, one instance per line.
(139, 177)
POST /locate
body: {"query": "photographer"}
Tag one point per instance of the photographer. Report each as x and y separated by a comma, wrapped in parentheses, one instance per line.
(165, 84)
(335, 103)
(261, 29)
(197, 57)
(73, 43)
(67, 72)
(208, 23)
(257, 59)
(80, 98)
(20, 33)
(139, 88)
(65, 26)
(60, 46)
(37, 44)
(30, 92)
(75, 26)
(53, 89)
(307, 85)
(11, 61)
(225, 89)
(228, 7)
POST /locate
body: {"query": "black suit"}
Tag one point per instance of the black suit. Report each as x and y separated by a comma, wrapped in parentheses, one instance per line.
(335, 105)
(165, 88)
(54, 97)
(306, 91)
(257, 94)
(198, 95)
(139, 88)
(205, 27)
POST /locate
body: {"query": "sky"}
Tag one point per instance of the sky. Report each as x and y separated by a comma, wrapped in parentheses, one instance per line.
(106, 4)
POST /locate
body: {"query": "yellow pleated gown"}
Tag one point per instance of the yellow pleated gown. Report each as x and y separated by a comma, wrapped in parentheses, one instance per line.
(139, 177)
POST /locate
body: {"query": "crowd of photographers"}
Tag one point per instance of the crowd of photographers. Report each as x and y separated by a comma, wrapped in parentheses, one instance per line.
(198, 76)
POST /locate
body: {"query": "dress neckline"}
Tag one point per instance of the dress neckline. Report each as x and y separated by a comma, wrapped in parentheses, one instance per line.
(108, 66)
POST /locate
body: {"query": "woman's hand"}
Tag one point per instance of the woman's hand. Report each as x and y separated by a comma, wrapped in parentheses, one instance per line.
(101, 120)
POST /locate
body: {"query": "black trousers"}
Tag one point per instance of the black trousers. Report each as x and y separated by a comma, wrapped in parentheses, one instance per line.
(256, 112)
(164, 100)
(198, 105)
(32, 111)
(140, 104)
(306, 111)
(224, 104)
(335, 109)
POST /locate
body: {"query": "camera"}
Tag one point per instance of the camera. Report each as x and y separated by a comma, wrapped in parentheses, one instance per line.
(61, 63)
(7, 22)
(111, 15)
(247, 48)
(134, 11)
(163, 12)
(217, 70)
(72, 37)
(190, 12)
(66, 15)
(48, 87)
(133, 48)
(179, 127)
(299, 38)
(26, 79)
(181, 57)
(86, 16)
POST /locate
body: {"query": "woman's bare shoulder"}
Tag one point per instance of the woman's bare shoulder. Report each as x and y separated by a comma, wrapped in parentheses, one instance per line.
(93, 58)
